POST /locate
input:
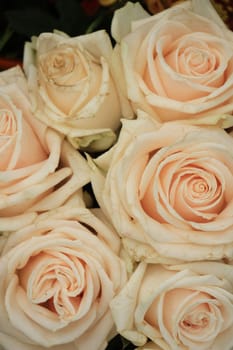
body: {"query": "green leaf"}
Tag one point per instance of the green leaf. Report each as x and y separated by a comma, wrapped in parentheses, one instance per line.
(5, 37)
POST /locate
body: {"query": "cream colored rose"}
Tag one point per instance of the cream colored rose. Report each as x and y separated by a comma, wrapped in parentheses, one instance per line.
(71, 86)
(168, 190)
(38, 169)
(176, 64)
(188, 306)
(58, 277)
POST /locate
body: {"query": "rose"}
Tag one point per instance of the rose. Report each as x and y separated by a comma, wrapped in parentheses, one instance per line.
(176, 64)
(167, 189)
(58, 276)
(38, 169)
(188, 306)
(71, 86)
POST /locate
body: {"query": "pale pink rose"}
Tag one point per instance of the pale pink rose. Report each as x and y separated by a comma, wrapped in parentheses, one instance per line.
(58, 277)
(168, 190)
(182, 307)
(38, 169)
(177, 64)
(72, 88)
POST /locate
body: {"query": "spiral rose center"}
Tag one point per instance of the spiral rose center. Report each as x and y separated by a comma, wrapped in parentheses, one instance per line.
(189, 316)
(194, 322)
(63, 67)
(199, 187)
(194, 61)
(56, 281)
(65, 74)
(193, 58)
(60, 64)
(184, 187)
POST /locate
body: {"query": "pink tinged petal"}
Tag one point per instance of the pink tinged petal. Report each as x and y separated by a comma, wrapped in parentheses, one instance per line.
(15, 127)
(76, 261)
(176, 88)
(56, 277)
(8, 178)
(197, 314)
(224, 296)
(41, 178)
(201, 326)
(80, 176)
(37, 173)
(21, 313)
(154, 201)
(132, 177)
(197, 194)
(186, 317)
(194, 188)
(218, 46)
(38, 312)
(27, 197)
(31, 151)
(201, 185)
(8, 129)
(198, 55)
(66, 281)
(10, 132)
(204, 63)
(151, 76)
(202, 58)
(14, 301)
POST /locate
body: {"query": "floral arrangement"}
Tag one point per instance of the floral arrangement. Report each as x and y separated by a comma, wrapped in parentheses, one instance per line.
(116, 196)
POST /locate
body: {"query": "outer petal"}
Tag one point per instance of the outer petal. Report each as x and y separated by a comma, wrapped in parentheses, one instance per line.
(122, 18)
(123, 307)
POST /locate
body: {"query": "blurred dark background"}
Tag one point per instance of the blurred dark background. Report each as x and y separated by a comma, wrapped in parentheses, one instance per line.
(21, 19)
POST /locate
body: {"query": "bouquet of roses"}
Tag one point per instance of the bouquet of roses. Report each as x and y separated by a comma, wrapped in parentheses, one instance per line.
(116, 186)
